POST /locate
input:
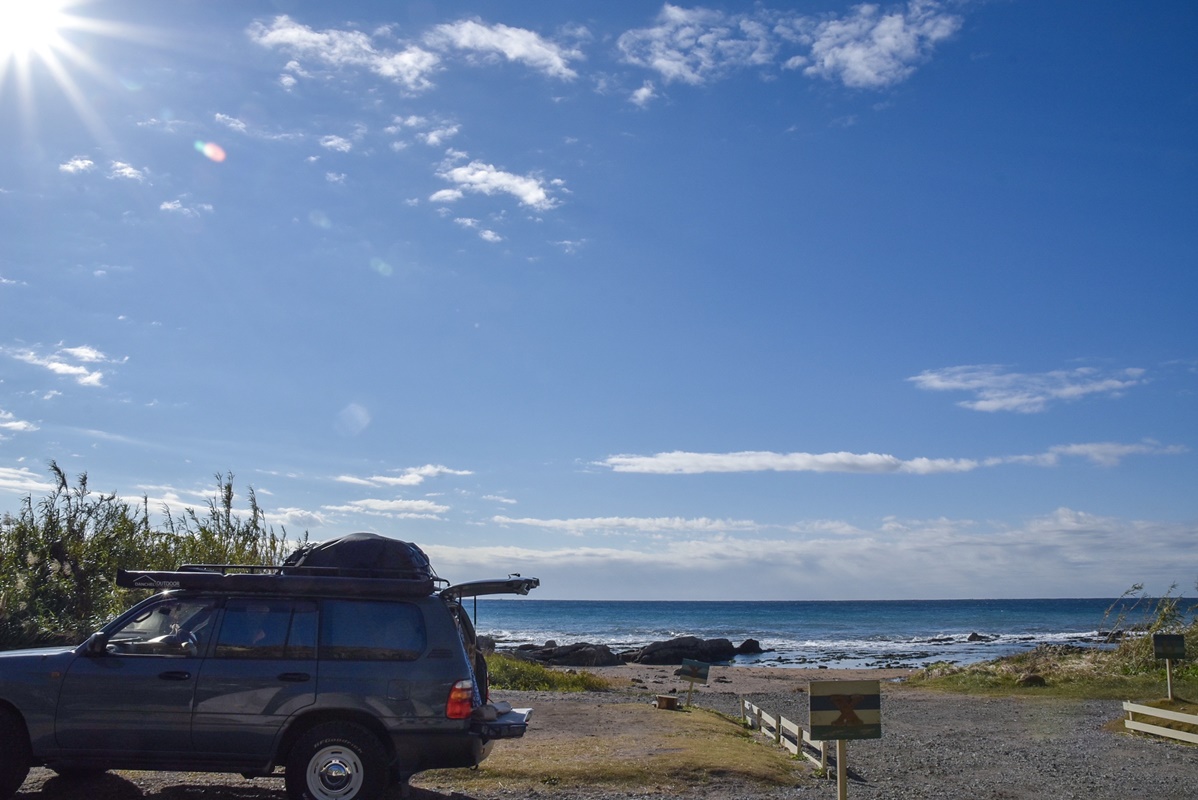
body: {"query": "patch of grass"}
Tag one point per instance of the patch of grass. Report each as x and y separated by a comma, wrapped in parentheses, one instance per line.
(516, 674)
(1067, 672)
(626, 746)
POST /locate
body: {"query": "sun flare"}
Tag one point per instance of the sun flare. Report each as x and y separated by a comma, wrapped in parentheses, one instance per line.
(29, 27)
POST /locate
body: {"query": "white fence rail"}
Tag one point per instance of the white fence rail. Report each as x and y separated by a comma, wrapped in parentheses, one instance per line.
(1131, 723)
(786, 733)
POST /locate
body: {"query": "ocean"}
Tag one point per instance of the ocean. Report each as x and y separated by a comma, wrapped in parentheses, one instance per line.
(835, 634)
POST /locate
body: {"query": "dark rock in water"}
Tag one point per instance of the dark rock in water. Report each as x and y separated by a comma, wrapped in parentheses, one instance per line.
(711, 651)
(1031, 679)
(977, 637)
(750, 647)
(582, 654)
(486, 644)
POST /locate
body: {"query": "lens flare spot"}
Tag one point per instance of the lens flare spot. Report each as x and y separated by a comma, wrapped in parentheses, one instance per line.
(211, 150)
(320, 219)
(382, 267)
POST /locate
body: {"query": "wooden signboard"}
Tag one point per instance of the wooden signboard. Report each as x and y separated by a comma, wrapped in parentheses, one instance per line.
(693, 671)
(845, 710)
(1169, 645)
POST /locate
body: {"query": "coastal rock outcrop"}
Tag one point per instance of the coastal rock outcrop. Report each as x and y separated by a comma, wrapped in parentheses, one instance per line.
(674, 651)
(583, 654)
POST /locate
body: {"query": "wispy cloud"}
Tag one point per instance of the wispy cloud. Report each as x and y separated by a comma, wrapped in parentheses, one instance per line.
(10, 423)
(392, 509)
(1063, 553)
(77, 164)
(411, 476)
(864, 49)
(70, 362)
(23, 481)
(119, 170)
(995, 389)
(515, 44)
(634, 524)
(193, 211)
(409, 66)
(685, 463)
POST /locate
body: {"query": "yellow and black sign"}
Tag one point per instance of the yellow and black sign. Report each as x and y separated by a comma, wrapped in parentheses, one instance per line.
(845, 710)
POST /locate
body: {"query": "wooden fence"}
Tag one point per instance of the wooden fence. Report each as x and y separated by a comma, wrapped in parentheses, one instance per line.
(786, 733)
(1159, 713)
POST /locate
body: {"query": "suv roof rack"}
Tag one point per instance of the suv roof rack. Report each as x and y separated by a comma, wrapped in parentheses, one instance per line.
(354, 582)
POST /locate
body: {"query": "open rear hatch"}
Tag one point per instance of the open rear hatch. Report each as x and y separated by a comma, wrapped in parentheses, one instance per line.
(490, 720)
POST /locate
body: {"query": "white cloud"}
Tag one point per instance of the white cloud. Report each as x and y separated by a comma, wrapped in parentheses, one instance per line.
(870, 49)
(123, 171)
(482, 178)
(393, 509)
(67, 362)
(866, 48)
(192, 211)
(1065, 553)
(410, 67)
(9, 422)
(698, 44)
(997, 390)
(411, 476)
(684, 463)
(77, 164)
(19, 480)
(335, 177)
(634, 524)
(644, 95)
(337, 143)
(514, 44)
(232, 123)
(490, 236)
(445, 196)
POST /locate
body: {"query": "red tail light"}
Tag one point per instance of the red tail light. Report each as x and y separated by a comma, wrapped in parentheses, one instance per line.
(461, 700)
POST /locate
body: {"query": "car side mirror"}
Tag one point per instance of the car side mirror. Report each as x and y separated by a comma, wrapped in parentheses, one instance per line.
(96, 644)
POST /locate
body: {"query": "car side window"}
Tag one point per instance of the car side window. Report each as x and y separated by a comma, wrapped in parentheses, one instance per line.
(365, 630)
(172, 627)
(267, 628)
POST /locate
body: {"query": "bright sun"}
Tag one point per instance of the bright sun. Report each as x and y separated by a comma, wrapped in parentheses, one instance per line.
(29, 27)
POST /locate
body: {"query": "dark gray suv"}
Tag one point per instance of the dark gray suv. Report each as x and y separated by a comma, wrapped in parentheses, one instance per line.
(349, 682)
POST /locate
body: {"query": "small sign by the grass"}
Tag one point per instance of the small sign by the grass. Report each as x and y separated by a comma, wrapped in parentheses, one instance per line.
(845, 710)
(1169, 645)
(693, 671)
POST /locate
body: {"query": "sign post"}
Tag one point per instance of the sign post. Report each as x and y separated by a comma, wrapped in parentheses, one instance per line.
(1169, 646)
(843, 710)
(692, 672)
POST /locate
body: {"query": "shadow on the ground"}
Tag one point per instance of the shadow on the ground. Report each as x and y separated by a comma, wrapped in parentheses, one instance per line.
(110, 786)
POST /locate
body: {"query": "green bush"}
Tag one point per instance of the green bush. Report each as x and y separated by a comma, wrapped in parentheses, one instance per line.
(508, 672)
(59, 556)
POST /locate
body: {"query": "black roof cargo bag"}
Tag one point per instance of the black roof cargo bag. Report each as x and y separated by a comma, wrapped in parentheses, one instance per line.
(362, 555)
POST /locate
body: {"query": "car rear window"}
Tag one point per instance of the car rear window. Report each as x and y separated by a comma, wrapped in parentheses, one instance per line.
(365, 630)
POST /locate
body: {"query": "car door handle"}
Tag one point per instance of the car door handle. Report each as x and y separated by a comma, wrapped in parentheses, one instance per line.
(175, 675)
(295, 677)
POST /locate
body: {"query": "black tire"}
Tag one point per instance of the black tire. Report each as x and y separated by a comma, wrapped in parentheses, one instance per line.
(15, 753)
(336, 761)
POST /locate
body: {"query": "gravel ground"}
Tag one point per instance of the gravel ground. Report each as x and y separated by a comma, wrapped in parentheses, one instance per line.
(934, 746)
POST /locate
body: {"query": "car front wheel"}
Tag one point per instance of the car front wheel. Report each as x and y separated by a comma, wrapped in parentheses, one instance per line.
(336, 761)
(15, 753)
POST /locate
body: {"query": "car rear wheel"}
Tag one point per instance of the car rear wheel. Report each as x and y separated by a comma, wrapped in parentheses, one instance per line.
(336, 761)
(15, 753)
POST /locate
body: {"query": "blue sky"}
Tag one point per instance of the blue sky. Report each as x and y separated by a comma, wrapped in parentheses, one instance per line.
(775, 300)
